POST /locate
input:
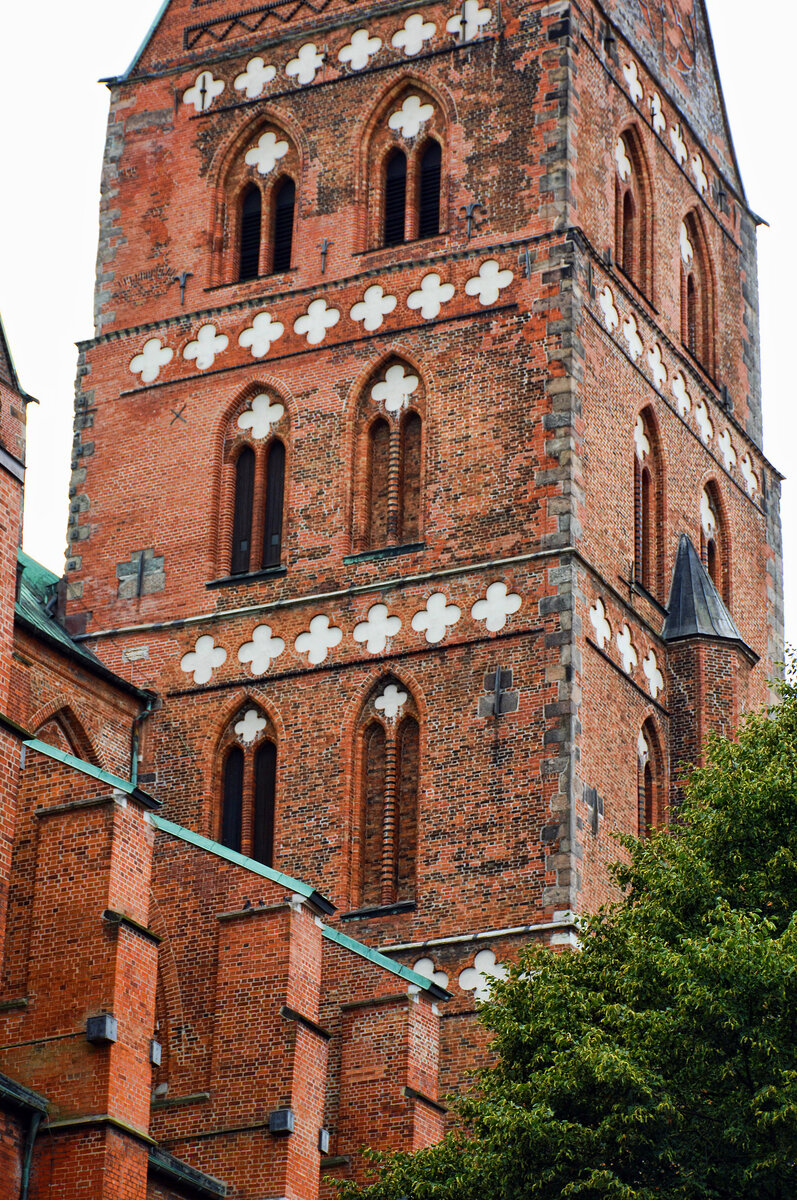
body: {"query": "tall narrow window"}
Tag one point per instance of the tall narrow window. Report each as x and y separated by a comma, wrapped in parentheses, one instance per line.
(284, 204)
(248, 752)
(233, 799)
(242, 518)
(395, 198)
(650, 781)
(697, 292)
(692, 318)
(378, 479)
(628, 242)
(406, 808)
(648, 508)
(633, 210)
(275, 490)
(374, 767)
(429, 191)
(249, 257)
(265, 783)
(714, 540)
(410, 487)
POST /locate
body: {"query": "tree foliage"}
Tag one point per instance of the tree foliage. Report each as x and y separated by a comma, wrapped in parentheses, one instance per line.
(660, 1059)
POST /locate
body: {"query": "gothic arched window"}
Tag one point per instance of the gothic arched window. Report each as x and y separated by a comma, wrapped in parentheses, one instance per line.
(714, 540)
(650, 780)
(403, 169)
(697, 292)
(648, 507)
(634, 211)
(248, 754)
(284, 204)
(253, 487)
(242, 512)
(395, 198)
(429, 190)
(275, 493)
(250, 233)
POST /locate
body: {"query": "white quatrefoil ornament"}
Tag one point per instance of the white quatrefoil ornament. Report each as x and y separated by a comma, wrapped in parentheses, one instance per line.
(658, 370)
(148, 363)
(687, 249)
(434, 620)
(261, 335)
(252, 81)
(653, 675)
(622, 160)
(306, 65)
(316, 321)
(431, 296)
(260, 416)
(408, 119)
(262, 650)
(204, 91)
(678, 145)
(426, 967)
(704, 426)
(641, 440)
(631, 73)
(376, 629)
(708, 518)
(266, 153)
(489, 283)
(395, 389)
(467, 22)
(699, 174)
(749, 476)
(391, 702)
(411, 37)
(497, 607)
(478, 978)
(681, 393)
(726, 449)
(317, 641)
(202, 661)
(627, 652)
(373, 308)
(611, 317)
(208, 345)
(249, 728)
(600, 623)
(657, 114)
(360, 50)
(633, 340)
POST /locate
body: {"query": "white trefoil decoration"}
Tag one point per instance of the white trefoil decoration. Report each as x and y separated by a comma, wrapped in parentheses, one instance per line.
(657, 367)
(252, 81)
(749, 476)
(148, 363)
(373, 308)
(262, 413)
(426, 967)
(611, 317)
(704, 426)
(708, 518)
(317, 641)
(600, 623)
(431, 296)
(698, 171)
(434, 620)
(631, 73)
(395, 389)
(316, 321)
(657, 114)
(678, 145)
(622, 160)
(653, 675)
(479, 977)
(627, 652)
(208, 344)
(726, 449)
(267, 152)
(262, 650)
(408, 119)
(642, 749)
(411, 37)
(631, 332)
(391, 702)
(489, 283)
(204, 91)
(468, 21)
(306, 64)
(687, 249)
(681, 393)
(360, 50)
(497, 607)
(202, 661)
(261, 335)
(250, 726)
(641, 442)
(376, 629)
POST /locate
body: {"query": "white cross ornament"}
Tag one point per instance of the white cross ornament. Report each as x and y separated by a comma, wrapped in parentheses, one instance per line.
(209, 343)
(657, 114)
(261, 335)
(373, 308)
(267, 152)
(395, 389)
(641, 441)
(678, 145)
(627, 652)
(653, 675)
(603, 630)
(642, 749)
(316, 321)
(479, 977)
(204, 91)
(262, 650)
(431, 296)
(252, 81)
(307, 63)
(426, 967)
(411, 37)
(657, 367)
(622, 160)
(360, 50)
(687, 249)
(317, 641)
(749, 476)
(726, 449)
(489, 283)
(202, 661)
(699, 174)
(148, 363)
(708, 518)
(681, 393)
(631, 331)
(250, 726)
(408, 119)
(704, 426)
(391, 702)
(497, 607)
(376, 629)
(434, 620)
(468, 21)
(611, 317)
(631, 73)
(262, 413)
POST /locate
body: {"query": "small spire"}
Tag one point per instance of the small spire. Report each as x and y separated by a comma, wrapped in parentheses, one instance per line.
(696, 608)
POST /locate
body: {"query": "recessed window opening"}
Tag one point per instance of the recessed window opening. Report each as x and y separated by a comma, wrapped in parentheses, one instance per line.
(284, 205)
(249, 257)
(395, 198)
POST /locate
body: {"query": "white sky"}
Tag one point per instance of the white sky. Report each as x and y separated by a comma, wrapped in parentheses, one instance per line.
(53, 131)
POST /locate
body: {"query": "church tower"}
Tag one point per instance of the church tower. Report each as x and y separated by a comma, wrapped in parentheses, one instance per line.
(417, 462)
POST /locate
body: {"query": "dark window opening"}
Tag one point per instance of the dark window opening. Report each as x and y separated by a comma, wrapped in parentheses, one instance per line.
(712, 563)
(372, 843)
(429, 191)
(275, 491)
(232, 811)
(410, 488)
(395, 198)
(249, 258)
(378, 473)
(647, 517)
(242, 518)
(265, 790)
(628, 247)
(691, 315)
(284, 204)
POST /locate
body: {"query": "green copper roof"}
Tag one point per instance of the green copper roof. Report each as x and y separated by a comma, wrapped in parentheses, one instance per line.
(86, 768)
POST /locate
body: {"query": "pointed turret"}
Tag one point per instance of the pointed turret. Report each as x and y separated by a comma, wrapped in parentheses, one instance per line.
(695, 608)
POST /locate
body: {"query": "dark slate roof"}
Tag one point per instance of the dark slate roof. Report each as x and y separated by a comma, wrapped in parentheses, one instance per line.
(696, 608)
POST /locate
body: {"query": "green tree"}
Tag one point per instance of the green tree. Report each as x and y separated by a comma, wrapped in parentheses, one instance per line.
(660, 1059)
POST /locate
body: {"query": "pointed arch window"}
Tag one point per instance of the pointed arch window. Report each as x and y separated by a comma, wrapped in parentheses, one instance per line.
(282, 236)
(242, 514)
(648, 508)
(248, 785)
(697, 292)
(395, 198)
(714, 540)
(652, 805)
(634, 211)
(253, 489)
(429, 190)
(250, 233)
(275, 495)
(404, 170)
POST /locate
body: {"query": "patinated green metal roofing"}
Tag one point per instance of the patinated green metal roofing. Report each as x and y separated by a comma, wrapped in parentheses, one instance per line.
(696, 608)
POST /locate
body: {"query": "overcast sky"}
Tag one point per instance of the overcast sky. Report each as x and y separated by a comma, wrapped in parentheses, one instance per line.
(53, 131)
